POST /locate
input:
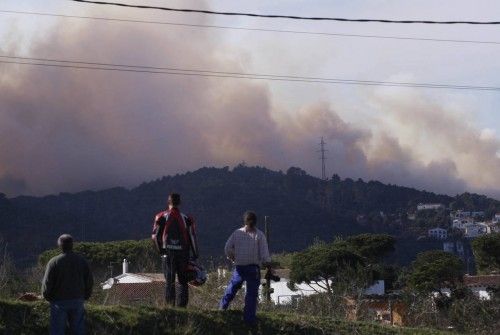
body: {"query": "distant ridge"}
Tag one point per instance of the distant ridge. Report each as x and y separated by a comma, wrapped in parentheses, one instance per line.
(300, 208)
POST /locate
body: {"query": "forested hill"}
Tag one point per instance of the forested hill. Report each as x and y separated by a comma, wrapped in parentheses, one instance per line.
(300, 208)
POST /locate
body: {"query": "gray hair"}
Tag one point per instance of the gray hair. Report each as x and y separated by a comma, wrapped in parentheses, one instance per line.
(65, 242)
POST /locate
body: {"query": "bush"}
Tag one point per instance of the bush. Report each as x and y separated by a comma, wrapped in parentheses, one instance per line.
(141, 254)
(487, 252)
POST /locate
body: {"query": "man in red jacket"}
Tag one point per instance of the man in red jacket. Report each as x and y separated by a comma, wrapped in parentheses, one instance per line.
(174, 235)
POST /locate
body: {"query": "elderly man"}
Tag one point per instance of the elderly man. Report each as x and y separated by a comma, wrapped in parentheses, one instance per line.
(247, 249)
(66, 285)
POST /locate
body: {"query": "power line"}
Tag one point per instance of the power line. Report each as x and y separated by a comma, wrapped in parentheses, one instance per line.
(222, 74)
(300, 32)
(279, 16)
(225, 73)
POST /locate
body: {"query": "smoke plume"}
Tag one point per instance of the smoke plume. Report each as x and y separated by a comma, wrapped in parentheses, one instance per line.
(70, 129)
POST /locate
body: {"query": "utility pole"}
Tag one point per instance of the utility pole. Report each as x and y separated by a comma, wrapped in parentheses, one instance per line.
(83, 231)
(323, 184)
(267, 291)
(266, 229)
(322, 150)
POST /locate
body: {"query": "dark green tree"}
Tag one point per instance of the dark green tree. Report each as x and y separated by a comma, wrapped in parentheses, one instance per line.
(325, 264)
(486, 250)
(373, 247)
(434, 270)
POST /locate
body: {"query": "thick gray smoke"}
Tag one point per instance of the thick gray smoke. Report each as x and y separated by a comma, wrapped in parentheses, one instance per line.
(69, 130)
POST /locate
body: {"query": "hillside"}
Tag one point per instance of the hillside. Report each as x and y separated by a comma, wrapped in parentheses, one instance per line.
(300, 208)
(32, 318)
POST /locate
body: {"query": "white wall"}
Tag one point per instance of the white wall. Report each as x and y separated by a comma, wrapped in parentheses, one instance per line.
(283, 295)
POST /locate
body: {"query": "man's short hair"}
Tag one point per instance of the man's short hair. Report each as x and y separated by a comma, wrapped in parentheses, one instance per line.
(249, 217)
(65, 242)
(174, 199)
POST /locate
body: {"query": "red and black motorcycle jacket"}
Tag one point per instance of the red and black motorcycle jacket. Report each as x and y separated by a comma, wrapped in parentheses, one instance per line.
(174, 231)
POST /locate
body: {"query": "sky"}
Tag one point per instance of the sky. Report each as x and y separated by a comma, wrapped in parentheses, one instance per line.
(68, 130)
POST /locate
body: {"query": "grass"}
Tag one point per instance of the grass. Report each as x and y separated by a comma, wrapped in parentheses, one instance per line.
(33, 318)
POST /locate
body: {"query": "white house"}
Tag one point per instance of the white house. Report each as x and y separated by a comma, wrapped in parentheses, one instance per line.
(481, 286)
(477, 214)
(476, 229)
(282, 294)
(134, 287)
(496, 218)
(493, 227)
(462, 223)
(438, 233)
(421, 207)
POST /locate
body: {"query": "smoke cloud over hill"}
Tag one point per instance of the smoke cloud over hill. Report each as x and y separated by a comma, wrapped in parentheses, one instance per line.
(69, 129)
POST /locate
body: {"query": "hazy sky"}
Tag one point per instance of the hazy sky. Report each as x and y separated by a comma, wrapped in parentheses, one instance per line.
(70, 130)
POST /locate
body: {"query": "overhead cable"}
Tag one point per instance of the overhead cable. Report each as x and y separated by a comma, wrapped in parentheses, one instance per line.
(300, 32)
(45, 62)
(280, 16)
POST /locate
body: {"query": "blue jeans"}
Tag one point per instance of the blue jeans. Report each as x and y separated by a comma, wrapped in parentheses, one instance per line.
(63, 312)
(251, 275)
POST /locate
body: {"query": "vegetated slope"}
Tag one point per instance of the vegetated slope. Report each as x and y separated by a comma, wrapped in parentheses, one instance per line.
(300, 208)
(33, 319)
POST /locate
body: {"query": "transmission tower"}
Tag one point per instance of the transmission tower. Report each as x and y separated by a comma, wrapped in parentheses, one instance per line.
(322, 150)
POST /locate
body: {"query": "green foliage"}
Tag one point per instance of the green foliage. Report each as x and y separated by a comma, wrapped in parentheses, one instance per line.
(467, 314)
(473, 202)
(323, 262)
(32, 319)
(373, 247)
(9, 276)
(486, 250)
(349, 264)
(476, 316)
(301, 205)
(427, 219)
(434, 270)
(141, 254)
(283, 260)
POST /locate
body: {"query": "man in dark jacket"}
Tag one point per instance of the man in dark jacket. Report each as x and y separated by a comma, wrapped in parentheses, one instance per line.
(174, 236)
(66, 285)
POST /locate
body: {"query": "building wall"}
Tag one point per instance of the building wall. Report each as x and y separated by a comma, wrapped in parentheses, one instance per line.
(283, 295)
(421, 207)
(438, 233)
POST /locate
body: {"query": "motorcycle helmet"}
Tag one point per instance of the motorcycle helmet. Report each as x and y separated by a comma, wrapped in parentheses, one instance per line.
(196, 274)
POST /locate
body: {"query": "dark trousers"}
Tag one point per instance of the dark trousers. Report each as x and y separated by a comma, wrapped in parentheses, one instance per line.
(175, 263)
(63, 312)
(250, 274)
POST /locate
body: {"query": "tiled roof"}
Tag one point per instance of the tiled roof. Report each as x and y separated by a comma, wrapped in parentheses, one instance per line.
(137, 292)
(484, 280)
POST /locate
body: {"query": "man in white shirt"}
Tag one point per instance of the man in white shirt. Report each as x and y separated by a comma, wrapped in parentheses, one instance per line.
(247, 249)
